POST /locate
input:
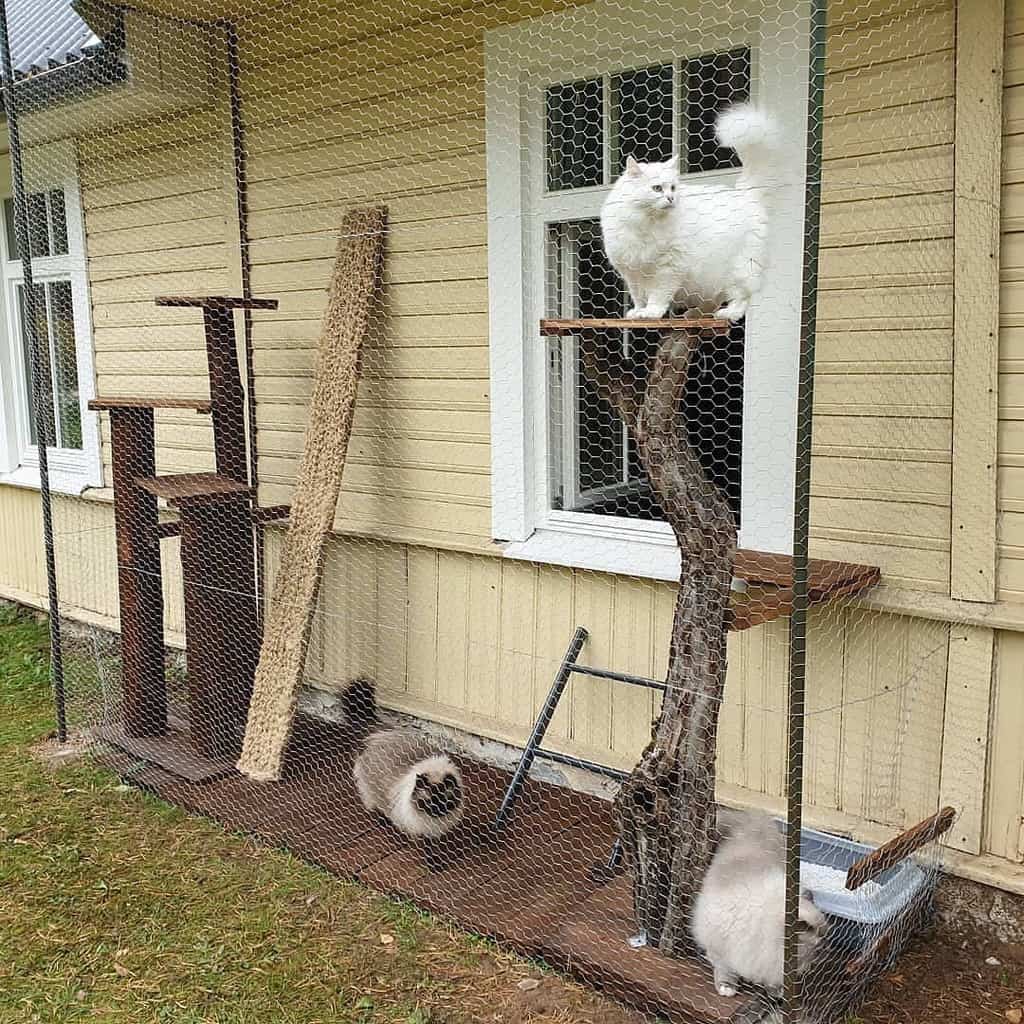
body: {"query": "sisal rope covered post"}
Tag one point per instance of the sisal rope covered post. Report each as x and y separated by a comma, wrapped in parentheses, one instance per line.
(354, 285)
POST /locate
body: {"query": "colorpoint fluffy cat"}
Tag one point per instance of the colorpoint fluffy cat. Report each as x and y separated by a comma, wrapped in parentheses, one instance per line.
(418, 788)
(739, 915)
(695, 246)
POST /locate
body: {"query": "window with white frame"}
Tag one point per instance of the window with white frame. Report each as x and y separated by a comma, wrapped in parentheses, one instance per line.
(62, 325)
(564, 110)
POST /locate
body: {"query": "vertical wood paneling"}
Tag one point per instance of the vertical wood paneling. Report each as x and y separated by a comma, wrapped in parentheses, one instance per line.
(731, 763)
(1004, 811)
(485, 598)
(552, 631)
(976, 176)
(965, 732)
(454, 636)
(632, 706)
(516, 693)
(392, 627)
(591, 699)
(422, 638)
(826, 637)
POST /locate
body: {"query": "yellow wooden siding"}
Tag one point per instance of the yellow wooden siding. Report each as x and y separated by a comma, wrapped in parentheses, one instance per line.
(85, 556)
(1004, 810)
(396, 113)
(1011, 317)
(881, 468)
(157, 221)
(474, 642)
(471, 640)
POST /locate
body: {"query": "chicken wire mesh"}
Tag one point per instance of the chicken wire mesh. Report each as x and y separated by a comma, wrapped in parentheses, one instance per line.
(555, 522)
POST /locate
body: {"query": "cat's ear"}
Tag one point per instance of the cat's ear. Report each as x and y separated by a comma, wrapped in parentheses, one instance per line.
(673, 162)
(632, 167)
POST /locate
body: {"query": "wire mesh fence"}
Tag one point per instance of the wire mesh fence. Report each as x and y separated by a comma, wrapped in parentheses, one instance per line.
(429, 377)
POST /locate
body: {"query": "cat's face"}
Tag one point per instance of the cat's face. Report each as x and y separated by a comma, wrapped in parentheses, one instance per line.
(652, 186)
(437, 795)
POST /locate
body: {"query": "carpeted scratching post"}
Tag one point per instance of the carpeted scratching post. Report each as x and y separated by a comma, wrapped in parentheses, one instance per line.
(354, 286)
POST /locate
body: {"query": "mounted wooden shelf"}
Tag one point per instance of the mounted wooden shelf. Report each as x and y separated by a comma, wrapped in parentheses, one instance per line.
(215, 302)
(550, 327)
(200, 405)
(193, 488)
(770, 585)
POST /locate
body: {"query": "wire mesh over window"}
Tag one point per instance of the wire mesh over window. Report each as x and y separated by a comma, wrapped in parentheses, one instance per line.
(483, 371)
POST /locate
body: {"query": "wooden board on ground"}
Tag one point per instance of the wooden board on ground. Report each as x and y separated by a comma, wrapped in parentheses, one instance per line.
(173, 752)
(354, 289)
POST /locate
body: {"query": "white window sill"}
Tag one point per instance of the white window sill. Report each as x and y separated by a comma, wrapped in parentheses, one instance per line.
(578, 540)
(62, 479)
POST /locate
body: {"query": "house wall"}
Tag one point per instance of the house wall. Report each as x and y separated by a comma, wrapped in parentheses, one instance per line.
(900, 716)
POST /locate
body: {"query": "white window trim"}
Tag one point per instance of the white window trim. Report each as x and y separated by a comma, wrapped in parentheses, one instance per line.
(520, 61)
(71, 471)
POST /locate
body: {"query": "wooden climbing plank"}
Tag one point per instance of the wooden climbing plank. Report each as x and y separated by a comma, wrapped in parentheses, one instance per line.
(107, 403)
(557, 326)
(184, 488)
(872, 864)
(215, 302)
(350, 306)
(823, 577)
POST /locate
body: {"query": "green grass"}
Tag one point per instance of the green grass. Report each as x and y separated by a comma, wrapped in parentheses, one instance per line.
(115, 907)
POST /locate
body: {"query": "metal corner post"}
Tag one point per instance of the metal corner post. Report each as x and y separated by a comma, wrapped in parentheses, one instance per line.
(239, 162)
(39, 357)
(801, 505)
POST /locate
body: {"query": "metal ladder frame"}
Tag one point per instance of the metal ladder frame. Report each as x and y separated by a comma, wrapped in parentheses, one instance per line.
(533, 748)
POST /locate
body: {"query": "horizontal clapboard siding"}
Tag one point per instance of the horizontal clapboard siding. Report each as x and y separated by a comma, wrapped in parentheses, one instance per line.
(157, 222)
(404, 124)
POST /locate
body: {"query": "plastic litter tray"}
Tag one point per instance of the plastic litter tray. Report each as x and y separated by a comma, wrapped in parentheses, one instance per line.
(860, 914)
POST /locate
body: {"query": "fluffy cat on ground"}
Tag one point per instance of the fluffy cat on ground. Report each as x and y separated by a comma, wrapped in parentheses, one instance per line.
(418, 788)
(696, 246)
(739, 915)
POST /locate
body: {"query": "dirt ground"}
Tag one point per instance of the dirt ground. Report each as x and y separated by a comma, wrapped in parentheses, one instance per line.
(970, 980)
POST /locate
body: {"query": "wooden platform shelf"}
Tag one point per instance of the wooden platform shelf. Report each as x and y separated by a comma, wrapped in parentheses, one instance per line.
(193, 488)
(215, 302)
(590, 325)
(769, 579)
(200, 405)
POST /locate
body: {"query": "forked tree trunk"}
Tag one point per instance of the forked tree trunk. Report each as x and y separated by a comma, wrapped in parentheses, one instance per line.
(667, 807)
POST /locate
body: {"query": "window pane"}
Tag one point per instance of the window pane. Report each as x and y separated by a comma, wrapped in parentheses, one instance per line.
(712, 82)
(69, 412)
(714, 411)
(574, 114)
(58, 224)
(600, 450)
(641, 115)
(38, 226)
(12, 235)
(42, 340)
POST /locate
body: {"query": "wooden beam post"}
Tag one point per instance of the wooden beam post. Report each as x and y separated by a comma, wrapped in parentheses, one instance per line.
(139, 591)
(976, 205)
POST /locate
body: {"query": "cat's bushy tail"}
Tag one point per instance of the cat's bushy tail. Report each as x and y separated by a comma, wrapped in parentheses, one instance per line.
(756, 138)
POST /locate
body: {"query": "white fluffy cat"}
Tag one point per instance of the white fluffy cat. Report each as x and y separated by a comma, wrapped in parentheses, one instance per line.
(739, 915)
(401, 775)
(696, 246)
